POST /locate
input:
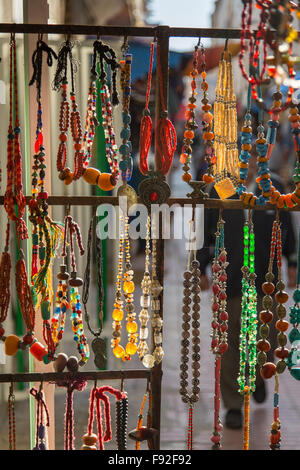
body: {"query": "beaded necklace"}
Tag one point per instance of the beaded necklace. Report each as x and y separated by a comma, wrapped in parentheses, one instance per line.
(68, 118)
(294, 334)
(248, 326)
(57, 326)
(190, 125)
(98, 344)
(103, 56)
(11, 418)
(225, 130)
(219, 324)
(128, 288)
(142, 433)
(191, 293)
(268, 369)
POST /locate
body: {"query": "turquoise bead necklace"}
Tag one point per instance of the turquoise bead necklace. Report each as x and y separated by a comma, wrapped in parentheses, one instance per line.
(293, 361)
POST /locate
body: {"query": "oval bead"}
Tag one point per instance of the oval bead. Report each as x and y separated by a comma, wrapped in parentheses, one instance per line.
(91, 175)
(11, 344)
(104, 182)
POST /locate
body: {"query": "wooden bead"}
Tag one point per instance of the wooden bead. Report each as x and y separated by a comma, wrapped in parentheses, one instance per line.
(282, 325)
(263, 345)
(60, 362)
(89, 439)
(72, 364)
(11, 345)
(85, 447)
(268, 370)
(281, 297)
(281, 353)
(266, 316)
(268, 288)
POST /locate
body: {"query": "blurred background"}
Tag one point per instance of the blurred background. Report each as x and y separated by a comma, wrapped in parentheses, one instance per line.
(190, 13)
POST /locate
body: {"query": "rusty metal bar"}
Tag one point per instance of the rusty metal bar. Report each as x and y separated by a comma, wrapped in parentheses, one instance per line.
(89, 375)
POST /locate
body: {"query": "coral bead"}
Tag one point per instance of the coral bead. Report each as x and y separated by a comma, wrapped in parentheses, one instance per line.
(128, 287)
(119, 351)
(208, 178)
(268, 288)
(89, 439)
(117, 314)
(189, 134)
(131, 327)
(11, 345)
(91, 175)
(38, 350)
(131, 348)
(268, 370)
(104, 182)
(282, 325)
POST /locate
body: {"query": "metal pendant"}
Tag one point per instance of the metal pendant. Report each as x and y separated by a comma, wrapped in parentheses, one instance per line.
(154, 189)
(99, 349)
(127, 191)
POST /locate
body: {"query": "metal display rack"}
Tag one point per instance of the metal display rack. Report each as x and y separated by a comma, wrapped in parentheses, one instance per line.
(162, 35)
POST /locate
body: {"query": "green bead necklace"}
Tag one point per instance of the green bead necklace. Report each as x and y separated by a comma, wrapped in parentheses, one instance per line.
(248, 325)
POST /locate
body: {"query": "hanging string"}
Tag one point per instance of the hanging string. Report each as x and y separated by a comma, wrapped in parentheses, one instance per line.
(106, 55)
(165, 134)
(146, 123)
(64, 54)
(37, 62)
(41, 408)
(71, 385)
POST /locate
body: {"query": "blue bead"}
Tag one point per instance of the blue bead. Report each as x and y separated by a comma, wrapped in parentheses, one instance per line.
(261, 201)
(125, 133)
(126, 118)
(273, 124)
(124, 149)
(64, 308)
(123, 165)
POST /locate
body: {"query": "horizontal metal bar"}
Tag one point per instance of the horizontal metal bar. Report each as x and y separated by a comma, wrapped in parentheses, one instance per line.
(92, 375)
(233, 204)
(91, 30)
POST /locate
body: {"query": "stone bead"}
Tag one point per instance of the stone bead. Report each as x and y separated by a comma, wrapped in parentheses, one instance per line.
(60, 362)
(261, 358)
(263, 345)
(268, 288)
(72, 364)
(158, 354)
(281, 339)
(280, 366)
(267, 302)
(266, 316)
(281, 311)
(264, 331)
(281, 297)
(281, 353)
(144, 333)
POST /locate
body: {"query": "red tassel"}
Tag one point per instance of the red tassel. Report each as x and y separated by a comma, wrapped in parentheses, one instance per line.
(145, 143)
(166, 140)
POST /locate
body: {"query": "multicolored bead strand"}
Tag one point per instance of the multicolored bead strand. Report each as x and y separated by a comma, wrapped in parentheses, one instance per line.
(190, 125)
(126, 162)
(294, 334)
(248, 325)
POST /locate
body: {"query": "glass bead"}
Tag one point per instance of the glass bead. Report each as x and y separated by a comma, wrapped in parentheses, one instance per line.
(144, 332)
(128, 287)
(148, 361)
(131, 348)
(117, 314)
(158, 354)
(145, 301)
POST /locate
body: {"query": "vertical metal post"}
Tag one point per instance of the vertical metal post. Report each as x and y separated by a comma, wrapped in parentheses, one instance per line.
(162, 83)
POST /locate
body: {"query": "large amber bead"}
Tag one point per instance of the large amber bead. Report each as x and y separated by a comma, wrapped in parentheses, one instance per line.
(11, 345)
(131, 348)
(104, 182)
(128, 287)
(119, 351)
(91, 175)
(131, 327)
(117, 314)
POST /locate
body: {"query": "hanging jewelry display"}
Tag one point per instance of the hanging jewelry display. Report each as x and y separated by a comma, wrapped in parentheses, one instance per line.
(98, 344)
(225, 130)
(103, 56)
(97, 396)
(57, 325)
(219, 323)
(190, 124)
(68, 118)
(191, 300)
(294, 334)
(128, 288)
(248, 325)
(41, 423)
(11, 419)
(154, 189)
